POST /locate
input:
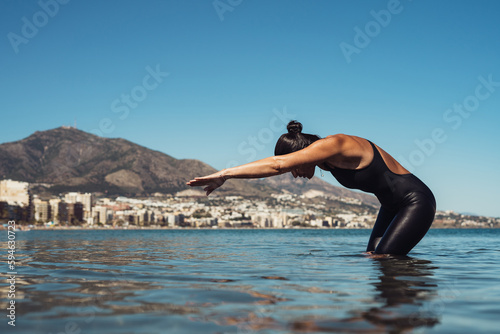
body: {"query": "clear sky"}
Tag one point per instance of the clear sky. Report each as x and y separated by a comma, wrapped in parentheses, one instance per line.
(218, 80)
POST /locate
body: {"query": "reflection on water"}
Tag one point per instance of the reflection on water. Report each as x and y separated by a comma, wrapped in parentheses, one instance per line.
(215, 282)
(405, 284)
(402, 286)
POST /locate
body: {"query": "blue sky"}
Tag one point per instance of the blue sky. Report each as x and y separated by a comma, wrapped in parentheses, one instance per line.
(217, 80)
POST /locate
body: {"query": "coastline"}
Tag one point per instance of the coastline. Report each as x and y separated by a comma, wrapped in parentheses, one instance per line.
(143, 228)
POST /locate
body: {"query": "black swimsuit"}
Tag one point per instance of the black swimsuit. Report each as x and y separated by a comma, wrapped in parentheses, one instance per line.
(407, 210)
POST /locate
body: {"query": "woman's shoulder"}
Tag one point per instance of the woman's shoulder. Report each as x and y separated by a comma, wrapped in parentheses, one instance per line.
(348, 140)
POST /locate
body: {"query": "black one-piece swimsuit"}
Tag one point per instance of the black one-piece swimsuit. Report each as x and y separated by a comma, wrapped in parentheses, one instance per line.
(407, 205)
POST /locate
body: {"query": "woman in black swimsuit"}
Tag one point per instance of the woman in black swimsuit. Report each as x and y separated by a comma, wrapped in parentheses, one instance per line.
(407, 204)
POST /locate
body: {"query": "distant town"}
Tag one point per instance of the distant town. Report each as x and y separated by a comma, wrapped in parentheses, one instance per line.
(191, 209)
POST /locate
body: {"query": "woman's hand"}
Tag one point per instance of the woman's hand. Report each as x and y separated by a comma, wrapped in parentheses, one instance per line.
(211, 182)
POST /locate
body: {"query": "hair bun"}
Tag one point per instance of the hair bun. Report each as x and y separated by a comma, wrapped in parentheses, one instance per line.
(294, 127)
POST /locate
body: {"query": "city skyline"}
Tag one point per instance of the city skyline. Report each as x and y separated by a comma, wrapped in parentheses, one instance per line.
(183, 210)
(217, 81)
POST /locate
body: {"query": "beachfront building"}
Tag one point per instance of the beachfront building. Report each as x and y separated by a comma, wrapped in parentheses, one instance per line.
(319, 223)
(42, 210)
(172, 220)
(145, 217)
(54, 208)
(86, 200)
(275, 220)
(70, 212)
(16, 200)
(101, 214)
(15, 192)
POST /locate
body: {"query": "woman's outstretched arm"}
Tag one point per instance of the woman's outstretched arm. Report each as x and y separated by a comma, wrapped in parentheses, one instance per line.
(261, 168)
(316, 153)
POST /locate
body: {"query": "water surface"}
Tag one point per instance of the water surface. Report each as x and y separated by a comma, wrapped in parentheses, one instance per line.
(251, 281)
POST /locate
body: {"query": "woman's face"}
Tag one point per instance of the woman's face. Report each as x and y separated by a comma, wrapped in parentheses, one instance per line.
(304, 171)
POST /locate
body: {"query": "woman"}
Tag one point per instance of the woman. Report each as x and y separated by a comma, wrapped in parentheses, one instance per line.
(407, 204)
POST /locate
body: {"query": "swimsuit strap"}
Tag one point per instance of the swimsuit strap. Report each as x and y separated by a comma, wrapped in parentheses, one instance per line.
(377, 157)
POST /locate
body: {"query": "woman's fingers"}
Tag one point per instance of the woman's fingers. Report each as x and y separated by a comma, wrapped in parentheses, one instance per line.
(208, 190)
(211, 182)
(198, 182)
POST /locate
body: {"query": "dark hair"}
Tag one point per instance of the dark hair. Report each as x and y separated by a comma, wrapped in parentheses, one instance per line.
(294, 140)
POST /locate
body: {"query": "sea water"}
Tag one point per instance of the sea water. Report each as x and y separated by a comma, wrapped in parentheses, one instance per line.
(250, 281)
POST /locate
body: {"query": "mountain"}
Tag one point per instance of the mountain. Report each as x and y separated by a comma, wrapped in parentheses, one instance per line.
(71, 159)
(67, 159)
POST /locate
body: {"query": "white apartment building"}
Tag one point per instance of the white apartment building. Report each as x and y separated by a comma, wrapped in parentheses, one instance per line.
(15, 192)
(54, 208)
(42, 210)
(85, 199)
